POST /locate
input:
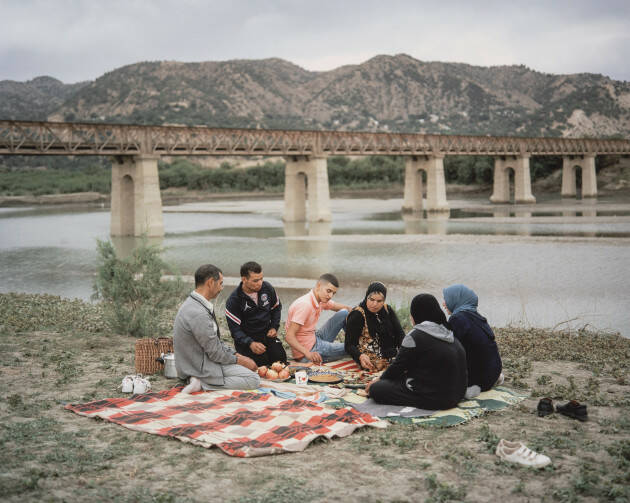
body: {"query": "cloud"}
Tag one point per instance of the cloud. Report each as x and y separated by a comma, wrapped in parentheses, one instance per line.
(77, 40)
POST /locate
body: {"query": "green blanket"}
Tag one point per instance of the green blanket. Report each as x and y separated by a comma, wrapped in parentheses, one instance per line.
(496, 399)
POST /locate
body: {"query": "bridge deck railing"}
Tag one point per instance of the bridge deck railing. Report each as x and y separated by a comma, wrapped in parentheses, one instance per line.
(63, 138)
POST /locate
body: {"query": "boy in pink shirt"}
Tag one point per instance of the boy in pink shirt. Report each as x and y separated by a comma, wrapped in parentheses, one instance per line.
(307, 343)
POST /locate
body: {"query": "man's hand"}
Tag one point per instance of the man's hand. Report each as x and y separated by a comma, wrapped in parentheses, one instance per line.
(366, 363)
(246, 362)
(315, 357)
(272, 332)
(257, 348)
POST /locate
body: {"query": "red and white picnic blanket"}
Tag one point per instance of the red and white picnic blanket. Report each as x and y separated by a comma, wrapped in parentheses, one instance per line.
(240, 423)
(345, 365)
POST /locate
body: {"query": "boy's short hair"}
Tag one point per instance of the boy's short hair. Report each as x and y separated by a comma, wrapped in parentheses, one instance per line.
(329, 278)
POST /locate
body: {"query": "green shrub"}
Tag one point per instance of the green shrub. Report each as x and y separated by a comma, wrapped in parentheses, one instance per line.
(134, 296)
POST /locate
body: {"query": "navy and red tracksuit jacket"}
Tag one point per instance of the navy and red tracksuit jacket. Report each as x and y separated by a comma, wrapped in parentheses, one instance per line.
(249, 322)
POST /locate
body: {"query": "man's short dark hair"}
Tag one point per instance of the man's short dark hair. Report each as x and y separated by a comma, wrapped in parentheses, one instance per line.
(329, 278)
(205, 272)
(248, 267)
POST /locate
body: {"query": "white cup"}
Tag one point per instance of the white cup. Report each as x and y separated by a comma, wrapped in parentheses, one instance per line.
(301, 377)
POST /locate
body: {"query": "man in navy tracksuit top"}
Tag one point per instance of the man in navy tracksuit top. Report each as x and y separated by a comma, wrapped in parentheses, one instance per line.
(253, 316)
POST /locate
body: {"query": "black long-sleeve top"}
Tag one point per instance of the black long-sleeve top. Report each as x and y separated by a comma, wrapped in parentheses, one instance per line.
(433, 367)
(385, 329)
(482, 354)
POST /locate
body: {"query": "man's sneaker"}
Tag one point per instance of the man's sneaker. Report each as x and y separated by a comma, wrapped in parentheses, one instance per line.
(545, 407)
(573, 409)
(517, 452)
(141, 385)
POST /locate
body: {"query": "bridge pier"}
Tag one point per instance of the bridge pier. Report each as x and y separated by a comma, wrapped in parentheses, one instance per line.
(436, 185)
(589, 179)
(306, 178)
(522, 180)
(136, 204)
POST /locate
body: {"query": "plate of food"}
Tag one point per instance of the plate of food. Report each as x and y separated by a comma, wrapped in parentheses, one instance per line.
(358, 380)
(324, 377)
(276, 373)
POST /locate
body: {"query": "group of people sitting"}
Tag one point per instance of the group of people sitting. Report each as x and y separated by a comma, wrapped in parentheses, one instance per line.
(434, 366)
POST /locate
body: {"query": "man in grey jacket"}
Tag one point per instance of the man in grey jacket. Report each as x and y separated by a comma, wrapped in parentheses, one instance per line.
(199, 352)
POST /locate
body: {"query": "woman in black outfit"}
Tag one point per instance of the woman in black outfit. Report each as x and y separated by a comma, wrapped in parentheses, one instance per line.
(373, 332)
(429, 371)
(473, 331)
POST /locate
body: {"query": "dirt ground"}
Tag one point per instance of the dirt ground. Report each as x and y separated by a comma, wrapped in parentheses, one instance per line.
(49, 454)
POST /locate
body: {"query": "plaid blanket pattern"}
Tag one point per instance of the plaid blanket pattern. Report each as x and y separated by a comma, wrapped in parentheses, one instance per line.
(240, 423)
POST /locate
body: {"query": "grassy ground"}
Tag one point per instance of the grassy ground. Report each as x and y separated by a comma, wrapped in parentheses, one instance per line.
(54, 351)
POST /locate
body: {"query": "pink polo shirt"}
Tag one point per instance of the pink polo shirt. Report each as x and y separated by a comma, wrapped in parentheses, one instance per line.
(305, 311)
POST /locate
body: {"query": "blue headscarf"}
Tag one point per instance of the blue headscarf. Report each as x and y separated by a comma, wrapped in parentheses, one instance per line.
(460, 298)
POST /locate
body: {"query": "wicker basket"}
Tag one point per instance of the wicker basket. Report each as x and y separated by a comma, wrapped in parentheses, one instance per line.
(147, 350)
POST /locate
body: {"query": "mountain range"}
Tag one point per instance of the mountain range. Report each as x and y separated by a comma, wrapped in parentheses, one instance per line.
(386, 93)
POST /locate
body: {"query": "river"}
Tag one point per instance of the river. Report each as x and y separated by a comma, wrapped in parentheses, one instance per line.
(559, 263)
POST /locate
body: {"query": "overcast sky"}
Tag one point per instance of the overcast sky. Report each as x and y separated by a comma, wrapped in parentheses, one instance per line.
(75, 40)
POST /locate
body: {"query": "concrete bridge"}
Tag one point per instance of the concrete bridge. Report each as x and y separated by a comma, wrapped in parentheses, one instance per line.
(136, 206)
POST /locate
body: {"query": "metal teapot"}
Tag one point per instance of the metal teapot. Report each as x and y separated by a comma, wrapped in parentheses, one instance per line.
(168, 359)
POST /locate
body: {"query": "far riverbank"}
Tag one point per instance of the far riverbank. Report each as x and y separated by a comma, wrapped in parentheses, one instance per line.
(175, 196)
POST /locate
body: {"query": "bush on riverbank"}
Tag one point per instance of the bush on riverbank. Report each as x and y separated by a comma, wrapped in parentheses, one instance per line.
(135, 299)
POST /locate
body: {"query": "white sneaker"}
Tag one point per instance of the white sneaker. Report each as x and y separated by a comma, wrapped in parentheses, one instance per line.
(517, 452)
(193, 386)
(141, 385)
(500, 380)
(127, 384)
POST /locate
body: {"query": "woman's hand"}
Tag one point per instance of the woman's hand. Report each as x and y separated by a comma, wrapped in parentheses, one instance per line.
(369, 385)
(366, 363)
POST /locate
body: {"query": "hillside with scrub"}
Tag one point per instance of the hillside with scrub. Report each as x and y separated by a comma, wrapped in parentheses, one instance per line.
(385, 93)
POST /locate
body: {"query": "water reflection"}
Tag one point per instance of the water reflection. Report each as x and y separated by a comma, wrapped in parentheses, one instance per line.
(308, 257)
(419, 222)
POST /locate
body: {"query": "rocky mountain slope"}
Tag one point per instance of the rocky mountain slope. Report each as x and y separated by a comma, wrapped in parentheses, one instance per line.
(385, 93)
(35, 99)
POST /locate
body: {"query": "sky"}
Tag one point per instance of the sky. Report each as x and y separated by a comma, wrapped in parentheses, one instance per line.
(77, 40)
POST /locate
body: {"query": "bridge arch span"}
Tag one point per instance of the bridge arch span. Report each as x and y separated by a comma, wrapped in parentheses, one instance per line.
(136, 201)
(522, 180)
(570, 164)
(306, 179)
(433, 166)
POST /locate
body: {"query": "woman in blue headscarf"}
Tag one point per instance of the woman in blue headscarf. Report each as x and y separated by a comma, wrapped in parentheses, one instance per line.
(473, 331)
